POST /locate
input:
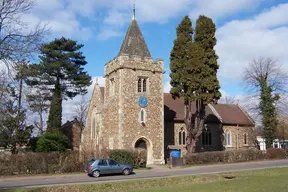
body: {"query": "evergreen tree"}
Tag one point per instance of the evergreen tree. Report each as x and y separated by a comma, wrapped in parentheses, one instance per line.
(52, 141)
(179, 57)
(193, 73)
(269, 116)
(205, 37)
(266, 81)
(61, 69)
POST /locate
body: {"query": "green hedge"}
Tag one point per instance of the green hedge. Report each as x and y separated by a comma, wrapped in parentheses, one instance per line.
(122, 156)
(224, 156)
(137, 158)
(40, 163)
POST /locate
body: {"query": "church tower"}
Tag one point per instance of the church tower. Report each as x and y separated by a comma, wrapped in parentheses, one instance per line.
(133, 110)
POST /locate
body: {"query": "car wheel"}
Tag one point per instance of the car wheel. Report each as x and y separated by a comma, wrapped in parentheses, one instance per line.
(126, 172)
(96, 173)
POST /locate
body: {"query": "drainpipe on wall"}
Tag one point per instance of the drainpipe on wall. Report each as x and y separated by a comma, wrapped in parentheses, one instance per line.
(237, 137)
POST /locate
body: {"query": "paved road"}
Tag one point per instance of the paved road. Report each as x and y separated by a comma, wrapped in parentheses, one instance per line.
(37, 181)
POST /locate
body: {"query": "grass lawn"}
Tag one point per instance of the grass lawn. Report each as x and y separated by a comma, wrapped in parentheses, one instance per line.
(266, 180)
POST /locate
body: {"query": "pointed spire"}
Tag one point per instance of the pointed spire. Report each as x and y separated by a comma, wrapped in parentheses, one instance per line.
(97, 81)
(134, 11)
(134, 43)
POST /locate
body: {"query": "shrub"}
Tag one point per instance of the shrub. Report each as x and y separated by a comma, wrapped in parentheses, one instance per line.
(224, 156)
(286, 152)
(122, 156)
(273, 153)
(71, 163)
(37, 163)
(52, 141)
(139, 158)
(33, 144)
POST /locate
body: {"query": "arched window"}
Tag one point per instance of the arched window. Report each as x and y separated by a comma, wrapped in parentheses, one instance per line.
(142, 116)
(144, 85)
(228, 138)
(206, 138)
(182, 137)
(245, 139)
(93, 128)
(139, 85)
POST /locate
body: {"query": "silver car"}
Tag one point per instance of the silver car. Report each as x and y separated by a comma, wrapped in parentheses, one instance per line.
(97, 167)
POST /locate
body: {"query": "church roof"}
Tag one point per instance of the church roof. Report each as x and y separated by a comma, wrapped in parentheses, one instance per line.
(230, 114)
(134, 43)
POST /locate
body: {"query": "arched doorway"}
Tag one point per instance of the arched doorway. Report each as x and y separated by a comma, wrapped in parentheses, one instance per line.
(144, 144)
(140, 144)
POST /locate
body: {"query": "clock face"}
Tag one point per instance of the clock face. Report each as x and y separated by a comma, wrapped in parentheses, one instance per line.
(143, 102)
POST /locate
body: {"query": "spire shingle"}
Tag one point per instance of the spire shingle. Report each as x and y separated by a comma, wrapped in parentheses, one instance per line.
(134, 43)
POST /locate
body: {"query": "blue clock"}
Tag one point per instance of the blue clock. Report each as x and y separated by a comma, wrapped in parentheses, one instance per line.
(143, 102)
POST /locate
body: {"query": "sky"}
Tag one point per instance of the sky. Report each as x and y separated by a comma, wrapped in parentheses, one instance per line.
(246, 30)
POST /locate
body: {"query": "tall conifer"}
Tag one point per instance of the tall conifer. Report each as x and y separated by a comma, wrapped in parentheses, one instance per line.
(194, 74)
(61, 69)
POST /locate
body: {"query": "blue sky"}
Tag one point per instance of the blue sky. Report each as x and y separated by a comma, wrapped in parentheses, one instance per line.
(246, 30)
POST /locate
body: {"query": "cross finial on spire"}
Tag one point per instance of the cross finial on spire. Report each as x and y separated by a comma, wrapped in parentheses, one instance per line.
(134, 12)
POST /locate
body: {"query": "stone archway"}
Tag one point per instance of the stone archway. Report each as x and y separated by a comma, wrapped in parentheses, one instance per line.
(145, 144)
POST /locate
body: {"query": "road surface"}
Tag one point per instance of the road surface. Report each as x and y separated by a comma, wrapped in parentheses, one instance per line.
(38, 181)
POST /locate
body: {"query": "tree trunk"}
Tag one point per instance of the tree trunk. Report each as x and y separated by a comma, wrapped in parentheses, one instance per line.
(55, 113)
(20, 96)
(194, 123)
(15, 148)
(41, 122)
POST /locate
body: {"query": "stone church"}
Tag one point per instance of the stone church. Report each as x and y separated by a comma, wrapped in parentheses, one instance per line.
(132, 111)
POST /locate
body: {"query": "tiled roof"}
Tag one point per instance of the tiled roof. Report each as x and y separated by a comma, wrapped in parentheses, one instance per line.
(233, 114)
(230, 114)
(134, 43)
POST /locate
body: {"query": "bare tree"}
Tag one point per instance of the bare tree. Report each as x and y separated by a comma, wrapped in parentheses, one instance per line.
(80, 109)
(229, 100)
(3, 86)
(282, 128)
(38, 99)
(18, 39)
(265, 70)
(267, 82)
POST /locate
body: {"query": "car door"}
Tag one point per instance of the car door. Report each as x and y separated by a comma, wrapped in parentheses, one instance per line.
(103, 166)
(114, 167)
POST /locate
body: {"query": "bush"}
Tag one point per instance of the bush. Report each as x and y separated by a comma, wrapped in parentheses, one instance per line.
(38, 163)
(33, 144)
(286, 152)
(71, 163)
(52, 141)
(224, 157)
(139, 158)
(122, 156)
(273, 153)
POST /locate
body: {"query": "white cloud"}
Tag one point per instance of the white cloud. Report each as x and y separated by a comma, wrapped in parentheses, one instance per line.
(59, 18)
(167, 87)
(108, 32)
(161, 11)
(219, 9)
(64, 16)
(240, 41)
